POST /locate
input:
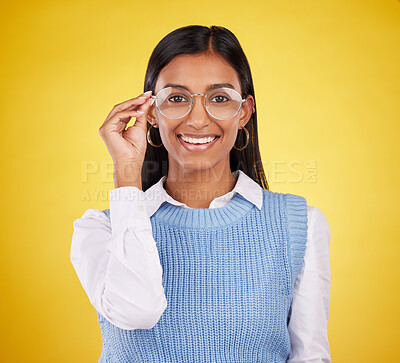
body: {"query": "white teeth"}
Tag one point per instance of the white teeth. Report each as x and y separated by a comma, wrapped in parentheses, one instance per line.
(203, 140)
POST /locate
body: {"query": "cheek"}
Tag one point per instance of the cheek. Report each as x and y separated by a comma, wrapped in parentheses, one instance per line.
(168, 134)
(230, 130)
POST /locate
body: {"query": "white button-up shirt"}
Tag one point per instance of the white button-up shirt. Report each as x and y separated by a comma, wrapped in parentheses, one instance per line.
(120, 271)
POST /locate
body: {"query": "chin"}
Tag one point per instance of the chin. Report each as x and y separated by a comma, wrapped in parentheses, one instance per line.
(197, 164)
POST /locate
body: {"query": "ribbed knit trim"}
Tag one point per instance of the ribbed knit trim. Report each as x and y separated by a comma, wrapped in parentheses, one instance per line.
(297, 231)
(205, 218)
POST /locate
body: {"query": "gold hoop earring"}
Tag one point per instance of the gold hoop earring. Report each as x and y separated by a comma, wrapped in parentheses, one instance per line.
(247, 141)
(149, 139)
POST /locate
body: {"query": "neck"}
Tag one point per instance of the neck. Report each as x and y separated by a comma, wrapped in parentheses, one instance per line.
(198, 187)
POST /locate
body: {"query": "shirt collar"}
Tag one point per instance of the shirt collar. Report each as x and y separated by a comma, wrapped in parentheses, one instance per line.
(245, 186)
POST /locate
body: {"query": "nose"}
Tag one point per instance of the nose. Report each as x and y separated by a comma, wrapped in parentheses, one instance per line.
(198, 116)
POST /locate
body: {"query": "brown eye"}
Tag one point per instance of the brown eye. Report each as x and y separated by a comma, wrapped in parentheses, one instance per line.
(176, 99)
(220, 99)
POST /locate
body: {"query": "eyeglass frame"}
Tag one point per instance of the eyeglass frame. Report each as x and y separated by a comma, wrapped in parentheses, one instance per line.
(205, 100)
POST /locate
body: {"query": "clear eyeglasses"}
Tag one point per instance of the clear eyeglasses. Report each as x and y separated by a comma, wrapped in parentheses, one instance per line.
(176, 102)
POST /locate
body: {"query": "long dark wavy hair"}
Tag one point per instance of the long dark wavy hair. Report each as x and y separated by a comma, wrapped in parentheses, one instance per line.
(196, 39)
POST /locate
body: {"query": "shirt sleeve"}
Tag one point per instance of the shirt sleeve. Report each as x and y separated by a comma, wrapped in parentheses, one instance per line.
(117, 261)
(308, 324)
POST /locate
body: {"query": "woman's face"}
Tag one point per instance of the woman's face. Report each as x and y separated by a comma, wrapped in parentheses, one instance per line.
(197, 73)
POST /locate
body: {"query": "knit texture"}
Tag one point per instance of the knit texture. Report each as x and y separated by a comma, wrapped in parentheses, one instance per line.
(228, 276)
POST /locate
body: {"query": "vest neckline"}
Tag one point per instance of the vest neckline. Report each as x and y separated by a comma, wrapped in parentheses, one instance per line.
(204, 218)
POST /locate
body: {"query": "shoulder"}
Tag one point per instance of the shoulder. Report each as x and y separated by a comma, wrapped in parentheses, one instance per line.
(315, 214)
(298, 204)
(268, 194)
(289, 198)
(291, 207)
(318, 226)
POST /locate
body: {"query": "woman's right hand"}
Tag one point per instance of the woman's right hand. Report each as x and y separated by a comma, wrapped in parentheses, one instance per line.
(127, 145)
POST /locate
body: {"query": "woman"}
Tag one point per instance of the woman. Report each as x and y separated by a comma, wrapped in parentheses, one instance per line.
(196, 260)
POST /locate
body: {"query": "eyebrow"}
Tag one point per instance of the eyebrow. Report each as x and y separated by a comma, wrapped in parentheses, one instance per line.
(208, 88)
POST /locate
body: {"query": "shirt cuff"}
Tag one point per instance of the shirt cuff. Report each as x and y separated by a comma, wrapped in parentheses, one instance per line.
(128, 209)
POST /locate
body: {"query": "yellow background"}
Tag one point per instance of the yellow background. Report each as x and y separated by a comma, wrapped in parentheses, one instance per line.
(327, 82)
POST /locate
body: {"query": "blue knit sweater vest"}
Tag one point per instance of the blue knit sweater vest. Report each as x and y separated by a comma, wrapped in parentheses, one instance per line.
(228, 276)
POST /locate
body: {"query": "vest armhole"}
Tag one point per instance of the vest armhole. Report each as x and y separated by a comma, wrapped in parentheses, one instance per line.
(107, 212)
(297, 229)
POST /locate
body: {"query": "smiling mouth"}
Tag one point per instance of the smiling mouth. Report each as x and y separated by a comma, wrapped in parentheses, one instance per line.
(198, 147)
(194, 142)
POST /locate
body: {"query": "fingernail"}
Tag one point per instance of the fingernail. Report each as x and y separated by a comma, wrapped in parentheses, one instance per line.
(152, 101)
(139, 111)
(147, 93)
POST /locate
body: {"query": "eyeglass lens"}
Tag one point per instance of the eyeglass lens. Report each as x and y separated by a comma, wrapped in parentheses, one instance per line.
(222, 103)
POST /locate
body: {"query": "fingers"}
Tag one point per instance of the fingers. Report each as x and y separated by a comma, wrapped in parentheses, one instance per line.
(132, 103)
(122, 113)
(141, 120)
(118, 122)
